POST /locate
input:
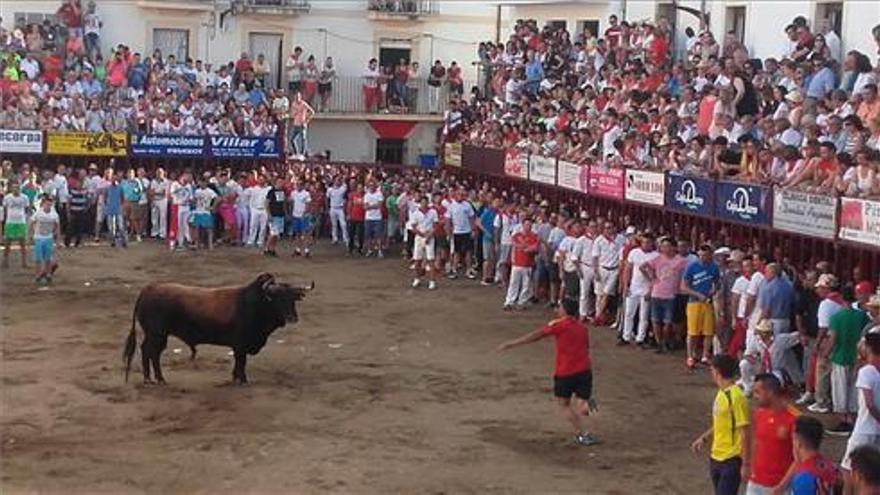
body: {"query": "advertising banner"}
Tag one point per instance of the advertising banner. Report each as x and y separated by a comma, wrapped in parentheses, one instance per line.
(645, 187)
(244, 147)
(573, 176)
(693, 195)
(804, 213)
(860, 221)
(87, 143)
(165, 145)
(452, 154)
(516, 164)
(542, 169)
(743, 202)
(15, 141)
(607, 182)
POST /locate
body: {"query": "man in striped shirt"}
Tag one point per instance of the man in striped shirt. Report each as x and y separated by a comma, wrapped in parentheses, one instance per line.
(77, 209)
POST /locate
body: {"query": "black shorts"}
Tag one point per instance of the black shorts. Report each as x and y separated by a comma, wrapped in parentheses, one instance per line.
(553, 268)
(579, 385)
(294, 86)
(324, 88)
(679, 312)
(463, 243)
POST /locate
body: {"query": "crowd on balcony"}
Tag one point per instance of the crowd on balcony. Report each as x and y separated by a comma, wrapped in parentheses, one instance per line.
(809, 118)
(56, 77)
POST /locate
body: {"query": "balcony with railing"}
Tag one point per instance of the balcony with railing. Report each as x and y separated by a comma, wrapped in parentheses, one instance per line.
(401, 10)
(275, 7)
(419, 101)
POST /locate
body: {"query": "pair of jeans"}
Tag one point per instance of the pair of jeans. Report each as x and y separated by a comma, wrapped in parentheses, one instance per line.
(355, 230)
(726, 475)
(299, 139)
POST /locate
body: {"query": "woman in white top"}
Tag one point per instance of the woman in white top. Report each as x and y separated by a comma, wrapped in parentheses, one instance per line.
(860, 180)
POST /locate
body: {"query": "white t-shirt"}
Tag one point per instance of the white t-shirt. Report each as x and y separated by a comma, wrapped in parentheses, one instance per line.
(867, 379)
(337, 196)
(373, 199)
(16, 207)
(740, 288)
(607, 252)
(827, 309)
(755, 284)
(582, 252)
(159, 189)
(424, 221)
(640, 285)
(180, 194)
(565, 253)
(204, 196)
(145, 186)
(461, 213)
(257, 197)
(300, 200)
(60, 184)
(508, 224)
(45, 223)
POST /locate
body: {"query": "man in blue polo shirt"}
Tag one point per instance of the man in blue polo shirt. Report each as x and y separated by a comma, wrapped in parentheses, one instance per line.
(699, 282)
(486, 225)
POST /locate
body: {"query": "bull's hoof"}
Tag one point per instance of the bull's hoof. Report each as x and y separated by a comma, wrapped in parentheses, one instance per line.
(149, 381)
(162, 382)
(239, 381)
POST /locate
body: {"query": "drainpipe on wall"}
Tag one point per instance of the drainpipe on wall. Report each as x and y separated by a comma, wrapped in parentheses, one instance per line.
(623, 10)
(498, 23)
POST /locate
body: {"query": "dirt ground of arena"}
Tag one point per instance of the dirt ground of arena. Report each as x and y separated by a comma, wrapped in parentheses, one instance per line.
(378, 389)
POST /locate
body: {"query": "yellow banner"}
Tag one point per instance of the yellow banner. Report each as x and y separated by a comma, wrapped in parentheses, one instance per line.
(452, 154)
(86, 143)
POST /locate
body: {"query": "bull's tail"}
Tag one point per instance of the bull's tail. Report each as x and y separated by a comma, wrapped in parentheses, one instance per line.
(131, 340)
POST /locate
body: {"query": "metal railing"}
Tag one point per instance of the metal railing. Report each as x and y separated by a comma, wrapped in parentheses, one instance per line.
(347, 96)
(404, 7)
(282, 4)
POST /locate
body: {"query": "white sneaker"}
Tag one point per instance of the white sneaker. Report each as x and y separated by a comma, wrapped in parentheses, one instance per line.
(432, 285)
(381, 254)
(416, 283)
(818, 409)
(806, 398)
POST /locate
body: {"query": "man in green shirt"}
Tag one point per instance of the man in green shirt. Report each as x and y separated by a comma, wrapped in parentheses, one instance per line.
(729, 460)
(393, 223)
(132, 190)
(840, 349)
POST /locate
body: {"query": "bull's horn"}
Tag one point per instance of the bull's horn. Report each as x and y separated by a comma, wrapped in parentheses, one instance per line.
(265, 279)
(309, 287)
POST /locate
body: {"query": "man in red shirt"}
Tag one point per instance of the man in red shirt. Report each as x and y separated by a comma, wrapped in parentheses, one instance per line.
(356, 215)
(573, 375)
(525, 247)
(772, 432)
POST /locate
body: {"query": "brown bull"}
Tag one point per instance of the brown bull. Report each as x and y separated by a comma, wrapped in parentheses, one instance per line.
(240, 317)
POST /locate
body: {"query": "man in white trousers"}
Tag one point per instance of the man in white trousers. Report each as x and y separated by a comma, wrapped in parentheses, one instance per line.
(525, 247)
(583, 255)
(242, 210)
(158, 193)
(259, 216)
(181, 197)
(637, 288)
(336, 197)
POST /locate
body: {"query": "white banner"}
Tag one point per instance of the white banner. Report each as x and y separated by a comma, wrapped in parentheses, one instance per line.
(542, 169)
(15, 141)
(572, 176)
(804, 213)
(645, 187)
(860, 221)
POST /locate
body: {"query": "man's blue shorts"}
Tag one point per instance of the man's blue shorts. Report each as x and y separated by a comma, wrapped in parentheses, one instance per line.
(662, 310)
(44, 249)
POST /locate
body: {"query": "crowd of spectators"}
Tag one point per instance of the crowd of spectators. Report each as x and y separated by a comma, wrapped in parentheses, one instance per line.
(809, 118)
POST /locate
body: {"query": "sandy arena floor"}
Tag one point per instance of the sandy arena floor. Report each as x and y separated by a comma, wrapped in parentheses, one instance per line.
(378, 389)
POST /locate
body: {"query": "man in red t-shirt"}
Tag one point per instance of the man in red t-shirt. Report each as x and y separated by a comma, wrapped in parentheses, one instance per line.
(772, 432)
(356, 214)
(573, 375)
(525, 247)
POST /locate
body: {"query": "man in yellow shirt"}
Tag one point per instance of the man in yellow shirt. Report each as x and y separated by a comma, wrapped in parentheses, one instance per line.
(729, 458)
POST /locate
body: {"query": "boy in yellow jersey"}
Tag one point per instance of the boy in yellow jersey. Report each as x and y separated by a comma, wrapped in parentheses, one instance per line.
(729, 458)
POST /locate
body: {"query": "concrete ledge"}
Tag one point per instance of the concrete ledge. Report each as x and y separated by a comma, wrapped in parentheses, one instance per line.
(404, 117)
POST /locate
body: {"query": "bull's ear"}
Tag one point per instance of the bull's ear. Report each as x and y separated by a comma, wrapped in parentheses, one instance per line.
(264, 280)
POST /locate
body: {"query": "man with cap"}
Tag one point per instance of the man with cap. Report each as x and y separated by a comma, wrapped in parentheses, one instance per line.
(819, 377)
(729, 273)
(765, 353)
